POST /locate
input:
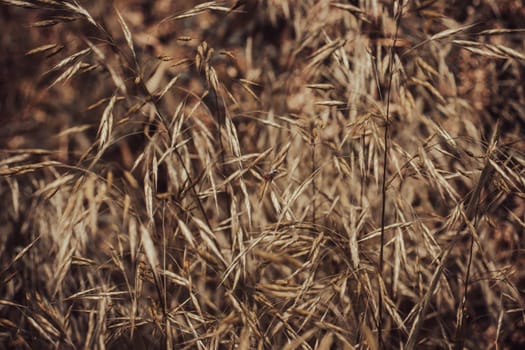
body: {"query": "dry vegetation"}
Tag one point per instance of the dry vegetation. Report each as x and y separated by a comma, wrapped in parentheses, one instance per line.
(275, 174)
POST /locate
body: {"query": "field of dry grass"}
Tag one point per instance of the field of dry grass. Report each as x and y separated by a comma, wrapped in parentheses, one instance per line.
(262, 174)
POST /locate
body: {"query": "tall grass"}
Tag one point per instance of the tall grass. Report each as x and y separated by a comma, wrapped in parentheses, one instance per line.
(262, 175)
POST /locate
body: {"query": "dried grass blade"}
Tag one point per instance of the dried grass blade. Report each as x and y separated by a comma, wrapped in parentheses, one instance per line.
(127, 33)
(347, 7)
(323, 87)
(441, 35)
(480, 48)
(186, 233)
(324, 52)
(44, 23)
(20, 3)
(197, 10)
(20, 255)
(301, 340)
(449, 32)
(422, 307)
(354, 10)
(326, 341)
(42, 48)
(177, 279)
(430, 88)
(297, 192)
(75, 6)
(117, 79)
(504, 175)
(148, 197)
(106, 124)
(40, 329)
(501, 31)
(150, 251)
(331, 103)
(167, 88)
(64, 62)
(281, 156)
(510, 53)
(67, 74)
(245, 85)
(426, 67)
(132, 232)
(14, 159)
(207, 235)
(74, 130)
(54, 185)
(28, 168)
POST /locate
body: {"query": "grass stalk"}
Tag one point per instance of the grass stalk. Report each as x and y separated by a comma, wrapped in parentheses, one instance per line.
(386, 138)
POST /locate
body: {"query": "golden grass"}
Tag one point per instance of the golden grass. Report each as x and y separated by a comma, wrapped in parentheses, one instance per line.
(262, 175)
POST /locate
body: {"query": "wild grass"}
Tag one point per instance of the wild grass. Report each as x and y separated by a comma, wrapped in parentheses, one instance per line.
(262, 175)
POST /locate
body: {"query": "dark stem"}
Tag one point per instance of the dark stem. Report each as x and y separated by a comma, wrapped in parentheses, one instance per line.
(314, 187)
(383, 185)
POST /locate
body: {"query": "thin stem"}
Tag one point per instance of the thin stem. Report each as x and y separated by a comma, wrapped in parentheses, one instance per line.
(383, 185)
(314, 187)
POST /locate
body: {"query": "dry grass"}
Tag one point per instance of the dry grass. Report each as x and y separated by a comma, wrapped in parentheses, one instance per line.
(262, 175)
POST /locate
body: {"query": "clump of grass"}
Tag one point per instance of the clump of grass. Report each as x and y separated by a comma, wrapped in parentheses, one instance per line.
(274, 174)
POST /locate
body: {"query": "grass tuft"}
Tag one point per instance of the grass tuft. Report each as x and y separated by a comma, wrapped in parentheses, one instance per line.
(262, 175)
